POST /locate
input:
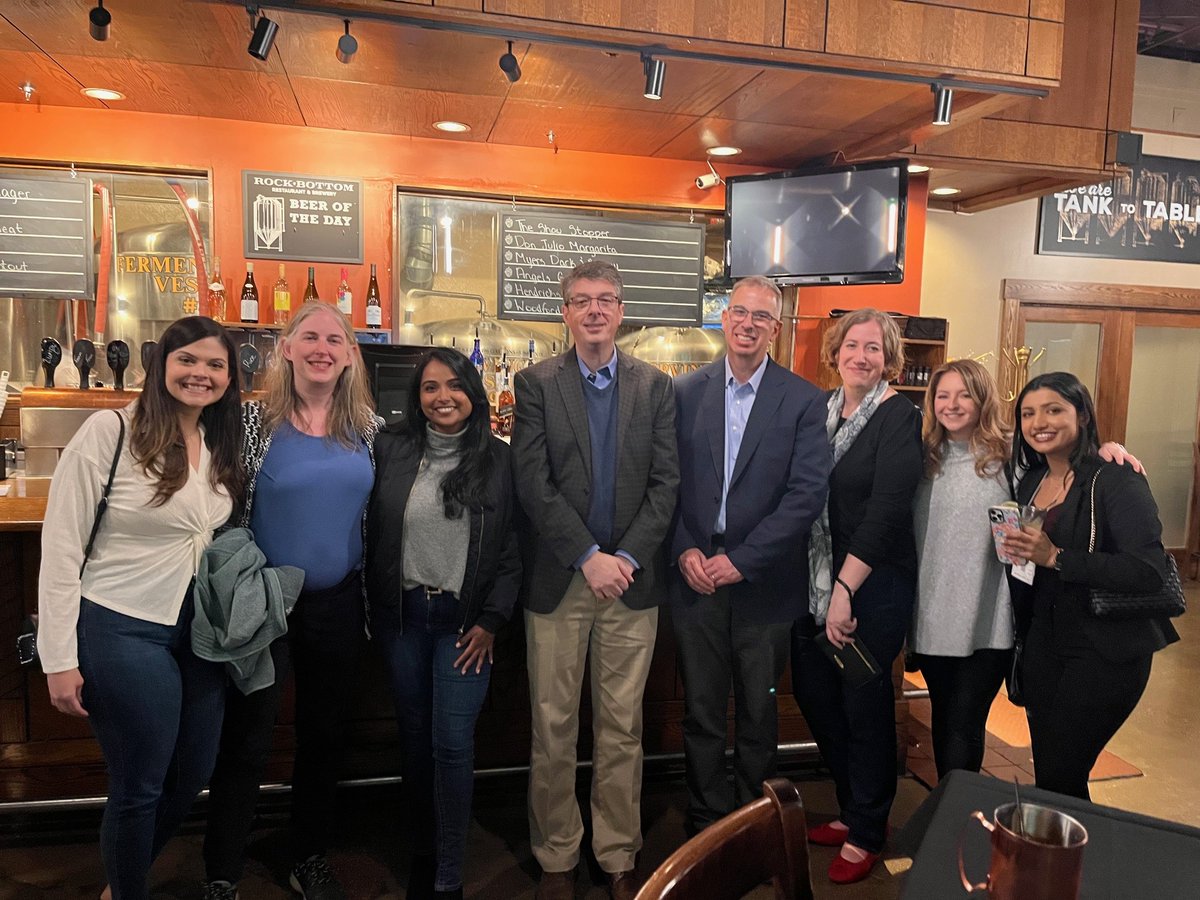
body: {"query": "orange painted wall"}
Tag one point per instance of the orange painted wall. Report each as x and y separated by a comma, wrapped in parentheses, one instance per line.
(97, 138)
(902, 298)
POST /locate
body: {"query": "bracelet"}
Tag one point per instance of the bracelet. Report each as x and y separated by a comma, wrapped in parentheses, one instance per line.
(846, 586)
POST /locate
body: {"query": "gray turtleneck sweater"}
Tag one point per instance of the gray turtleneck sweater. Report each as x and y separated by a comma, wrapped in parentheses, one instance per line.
(435, 547)
(962, 597)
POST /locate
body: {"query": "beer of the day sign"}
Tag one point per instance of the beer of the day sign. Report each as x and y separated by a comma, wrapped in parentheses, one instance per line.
(1153, 213)
(308, 218)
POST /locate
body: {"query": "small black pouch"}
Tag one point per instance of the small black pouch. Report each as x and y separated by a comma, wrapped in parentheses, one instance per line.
(27, 653)
(854, 661)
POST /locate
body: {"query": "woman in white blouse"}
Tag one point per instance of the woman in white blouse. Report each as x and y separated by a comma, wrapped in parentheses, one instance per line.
(115, 628)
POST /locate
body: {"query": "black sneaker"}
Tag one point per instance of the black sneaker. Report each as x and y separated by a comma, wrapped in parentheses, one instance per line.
(219, 890)
(313, 879)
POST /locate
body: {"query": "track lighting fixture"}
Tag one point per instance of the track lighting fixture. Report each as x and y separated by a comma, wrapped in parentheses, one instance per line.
(655, 70)
(509, 66)
(943, 100)
(263, 37)
(347, 46)
(99, 19)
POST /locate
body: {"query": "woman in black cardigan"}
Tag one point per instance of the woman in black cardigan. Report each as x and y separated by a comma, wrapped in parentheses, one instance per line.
(443, 573)
(1083, 676)
(863, 565)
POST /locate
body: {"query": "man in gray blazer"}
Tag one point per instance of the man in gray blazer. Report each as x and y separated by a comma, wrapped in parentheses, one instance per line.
(597, 473)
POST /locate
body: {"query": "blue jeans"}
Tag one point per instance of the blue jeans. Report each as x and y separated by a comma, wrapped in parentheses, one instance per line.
(156, 711)
(437, 706)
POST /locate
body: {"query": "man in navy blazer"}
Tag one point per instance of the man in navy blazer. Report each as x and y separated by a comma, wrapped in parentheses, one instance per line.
(754, 469)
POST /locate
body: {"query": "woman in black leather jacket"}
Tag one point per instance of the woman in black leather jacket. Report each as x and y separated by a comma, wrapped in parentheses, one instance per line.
(443, 573)
(1083, 675)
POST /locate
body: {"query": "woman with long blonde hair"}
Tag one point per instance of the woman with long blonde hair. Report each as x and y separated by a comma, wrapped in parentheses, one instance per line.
(310, 469)
(962, 629)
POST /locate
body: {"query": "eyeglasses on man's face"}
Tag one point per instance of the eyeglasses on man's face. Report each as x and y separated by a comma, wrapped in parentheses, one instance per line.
(759, 317)
(582, 302)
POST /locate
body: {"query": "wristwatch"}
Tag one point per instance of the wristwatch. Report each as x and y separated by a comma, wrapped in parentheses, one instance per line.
(1057, 567)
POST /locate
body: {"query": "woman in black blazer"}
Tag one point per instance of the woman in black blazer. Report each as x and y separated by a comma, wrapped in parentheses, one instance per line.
(1083, 676)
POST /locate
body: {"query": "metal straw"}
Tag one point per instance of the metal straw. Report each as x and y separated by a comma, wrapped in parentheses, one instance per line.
(1018, 819)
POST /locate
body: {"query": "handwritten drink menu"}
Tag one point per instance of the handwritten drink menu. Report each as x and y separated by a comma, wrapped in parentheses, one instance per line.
(661, 264)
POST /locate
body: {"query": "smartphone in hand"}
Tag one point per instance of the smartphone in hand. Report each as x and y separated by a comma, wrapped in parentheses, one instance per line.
(1004, 518)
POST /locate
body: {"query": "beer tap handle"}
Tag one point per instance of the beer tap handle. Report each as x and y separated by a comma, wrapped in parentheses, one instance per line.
(117, 354)
(84, 356)
(147, 354)
(51, 357)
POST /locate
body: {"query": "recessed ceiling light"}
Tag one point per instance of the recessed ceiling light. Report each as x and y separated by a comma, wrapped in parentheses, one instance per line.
(917, 168)
(945, 191)
(451, 126)
(102, 94)
(724, 151)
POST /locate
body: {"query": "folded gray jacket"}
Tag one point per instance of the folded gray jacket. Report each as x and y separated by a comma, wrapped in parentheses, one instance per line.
(241, 607)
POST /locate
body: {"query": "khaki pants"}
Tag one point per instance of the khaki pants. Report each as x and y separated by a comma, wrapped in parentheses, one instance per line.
(622, 643)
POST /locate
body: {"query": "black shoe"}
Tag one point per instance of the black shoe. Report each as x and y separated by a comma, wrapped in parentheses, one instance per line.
(313, 879)
(219, 890)
(455, 894)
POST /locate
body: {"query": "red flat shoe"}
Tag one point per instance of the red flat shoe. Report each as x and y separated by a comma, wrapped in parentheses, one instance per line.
(828, 836)
(842, 871)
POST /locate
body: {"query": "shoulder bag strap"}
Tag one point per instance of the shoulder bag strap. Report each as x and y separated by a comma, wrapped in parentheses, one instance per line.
(103, 504)
(1092, 511)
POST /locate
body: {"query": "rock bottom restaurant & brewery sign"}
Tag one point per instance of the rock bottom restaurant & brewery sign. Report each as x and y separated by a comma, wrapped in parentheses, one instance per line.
(308, 218)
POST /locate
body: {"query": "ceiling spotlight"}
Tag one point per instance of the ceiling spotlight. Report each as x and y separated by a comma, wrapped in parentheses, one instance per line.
(655, 70)
(943, 99)
(347, 46)
(452, 127)
(917, 168)
(509, 66)
(99, 19)
(945, 191)
(102, 94)
(27, 90)
(263, 37)
(723, 151)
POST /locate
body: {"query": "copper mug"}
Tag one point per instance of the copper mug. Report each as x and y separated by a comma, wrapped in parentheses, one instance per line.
(1042, 862)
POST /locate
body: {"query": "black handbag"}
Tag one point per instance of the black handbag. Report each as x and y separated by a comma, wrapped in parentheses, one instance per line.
(1013, 681)
(27, 653)
(1167, 600)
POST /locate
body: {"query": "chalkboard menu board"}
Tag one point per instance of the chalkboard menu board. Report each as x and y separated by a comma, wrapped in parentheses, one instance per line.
(45, 237)
(303, 217)
(661, 264)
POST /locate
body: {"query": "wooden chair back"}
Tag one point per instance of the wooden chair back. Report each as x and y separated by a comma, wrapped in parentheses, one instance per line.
(766, 840)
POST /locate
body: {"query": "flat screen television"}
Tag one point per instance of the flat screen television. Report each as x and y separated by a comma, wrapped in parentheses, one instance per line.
(837, 225)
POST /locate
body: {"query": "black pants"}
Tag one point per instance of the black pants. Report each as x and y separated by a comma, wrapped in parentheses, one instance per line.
(961, 691)
(855, 728)
(324, 648)
(715, 652)
(1075, 700)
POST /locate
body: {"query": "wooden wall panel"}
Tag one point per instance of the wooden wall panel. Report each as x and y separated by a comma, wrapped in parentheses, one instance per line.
(927, 35)
(1045, 145)
(743, 22)
(1047, 9)
(1003, 7)
(804, 25)
(1044, 59)
(1124, 61)
(1081, 99)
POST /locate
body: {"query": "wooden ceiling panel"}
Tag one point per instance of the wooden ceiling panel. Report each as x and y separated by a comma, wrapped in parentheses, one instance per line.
(772, 146)
(53, 86)
(781, 97)
(573, 76)
(392, 110)
(12, 39)
(603, 130)
(190, 90)
(171, 31)
(392, 55)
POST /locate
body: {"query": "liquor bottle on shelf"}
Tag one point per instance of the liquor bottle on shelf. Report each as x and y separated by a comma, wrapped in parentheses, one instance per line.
(477, 356)
(505, 404)
(216, 292)
(281, 298)
(250, 296)
(374, 306)
(310, 289)
(345, 299)
(531, 359)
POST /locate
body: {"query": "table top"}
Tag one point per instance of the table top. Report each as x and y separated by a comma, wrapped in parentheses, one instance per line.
(1128, 856)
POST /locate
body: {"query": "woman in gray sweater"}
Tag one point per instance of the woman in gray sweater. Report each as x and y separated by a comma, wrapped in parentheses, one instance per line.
(962, 629)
